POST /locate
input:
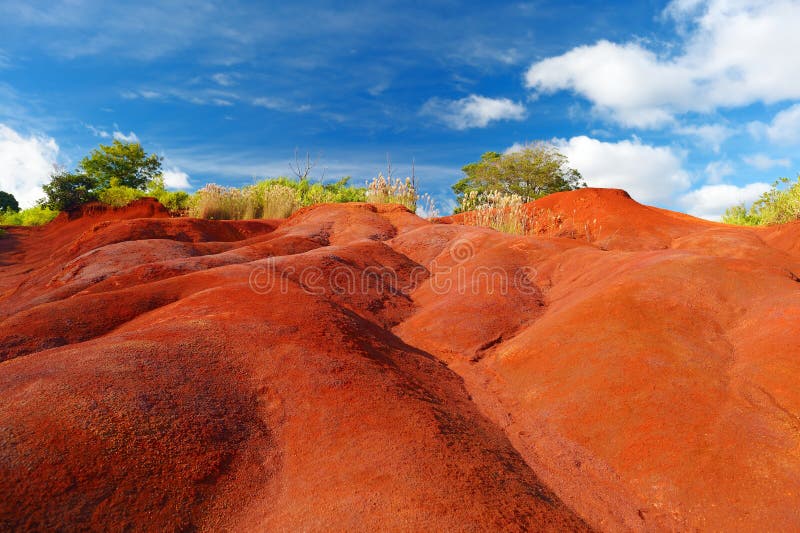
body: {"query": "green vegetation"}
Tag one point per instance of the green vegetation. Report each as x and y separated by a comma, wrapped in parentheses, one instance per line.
(120, 195)
(269, 198)
(537, 170)
(8, 202)
(175, 201)
(34, 216)
(778, 205)
(68, 190)
(115, 174)
(120, 164)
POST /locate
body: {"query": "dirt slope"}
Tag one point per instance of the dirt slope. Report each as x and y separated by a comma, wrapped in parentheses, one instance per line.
(356, 367)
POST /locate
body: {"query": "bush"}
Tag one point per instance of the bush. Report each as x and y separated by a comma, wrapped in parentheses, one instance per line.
(8, 202)
(115, 174)
(270, 198)
(537, 170)
(34, 216)
(779, 205)
(740, 216)
(68, 190)
(175, 201)
(392, 191)
(501, 211)
(119, 195)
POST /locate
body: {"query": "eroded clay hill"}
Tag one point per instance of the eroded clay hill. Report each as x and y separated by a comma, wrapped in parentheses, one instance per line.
(357, 367)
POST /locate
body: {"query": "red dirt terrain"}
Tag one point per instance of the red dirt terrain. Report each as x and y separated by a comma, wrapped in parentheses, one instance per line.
(357, 367)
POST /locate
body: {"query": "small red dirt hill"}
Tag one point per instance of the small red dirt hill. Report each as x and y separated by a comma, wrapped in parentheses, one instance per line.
(357, 367)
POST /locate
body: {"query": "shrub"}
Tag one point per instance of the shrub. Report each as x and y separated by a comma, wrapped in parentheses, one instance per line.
(270, 198)
(779, 205)
(34, 216)
(501, 211)
(217, 203)
(175, 201)
(740, 216)
(118, 172)
(534, 171)
(8, 202)
(68, 190)
(119, 195)
(392, 191)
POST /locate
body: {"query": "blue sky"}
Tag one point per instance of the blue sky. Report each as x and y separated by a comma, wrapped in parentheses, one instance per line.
(691, 105)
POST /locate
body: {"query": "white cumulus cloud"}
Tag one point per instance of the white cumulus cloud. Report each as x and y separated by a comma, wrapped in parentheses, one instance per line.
(175, 178)
(711, 201)
(25, 164)
(730, 53)
(473, 111)
(650, 174)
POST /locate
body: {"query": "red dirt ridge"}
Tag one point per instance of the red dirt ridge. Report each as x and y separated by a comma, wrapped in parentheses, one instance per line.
(357, 367)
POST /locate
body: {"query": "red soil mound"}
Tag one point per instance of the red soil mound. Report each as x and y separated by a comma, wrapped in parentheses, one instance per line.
(356, 367)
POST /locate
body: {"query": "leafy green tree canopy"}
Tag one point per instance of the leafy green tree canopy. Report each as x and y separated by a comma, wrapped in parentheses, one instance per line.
(534, 171)
(68, 190)
(125, 164)
(8, 203)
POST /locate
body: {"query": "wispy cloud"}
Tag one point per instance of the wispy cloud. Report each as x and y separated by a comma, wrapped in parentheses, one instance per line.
(713, 135)
(130, 137)
(473, 111)
(98, 132)
(279, 104)
(196, 96)
(225, 80)
(764, 162)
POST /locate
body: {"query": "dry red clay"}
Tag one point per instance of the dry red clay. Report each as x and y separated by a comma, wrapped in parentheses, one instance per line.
(355, 367)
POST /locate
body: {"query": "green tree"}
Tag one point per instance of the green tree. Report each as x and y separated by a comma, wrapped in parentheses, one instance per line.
(121, 164)
(68, 190)
(8, 203)
(537, 170)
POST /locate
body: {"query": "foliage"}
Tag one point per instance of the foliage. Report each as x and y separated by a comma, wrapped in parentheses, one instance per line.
(309, 193)
(8, 202)
(175, 201)
(263, 200)
(270, 198)
(34, 216)
(127, 164)
(68, 190)
(115, 174)
(779, 205)
(537, 170)
(392, 191)
(119, 195)
(740, 216)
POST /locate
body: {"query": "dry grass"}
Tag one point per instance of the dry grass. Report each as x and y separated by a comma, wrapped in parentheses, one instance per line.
(509, 213)
(392, 191)
(256, 201)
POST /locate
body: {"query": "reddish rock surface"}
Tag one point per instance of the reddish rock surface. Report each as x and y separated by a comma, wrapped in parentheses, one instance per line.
(356, 367)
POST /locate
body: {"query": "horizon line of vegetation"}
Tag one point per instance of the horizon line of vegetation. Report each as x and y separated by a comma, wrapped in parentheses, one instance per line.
(493, 190)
